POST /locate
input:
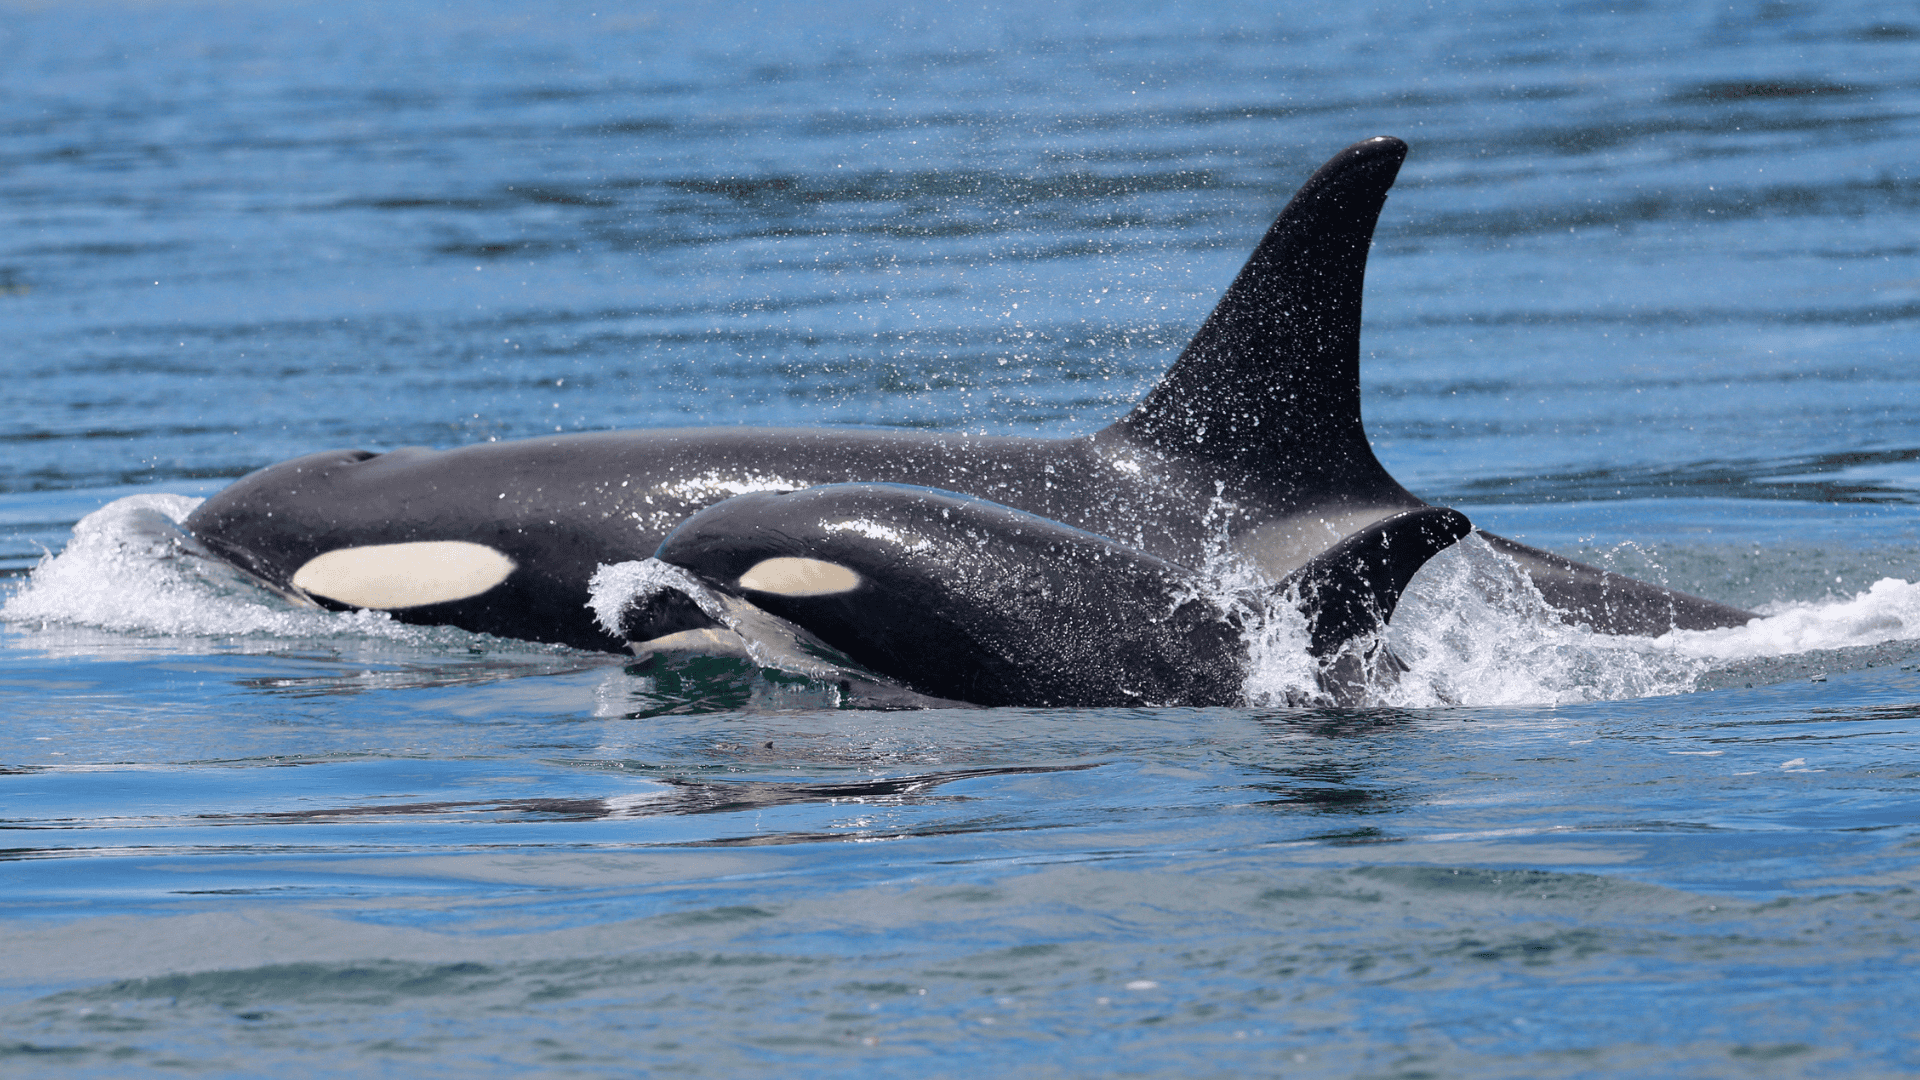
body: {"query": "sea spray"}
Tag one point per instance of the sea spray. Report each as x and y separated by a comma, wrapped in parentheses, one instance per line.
(1889, 610)
(132, 569)
(1473, 630)
(1280, 671)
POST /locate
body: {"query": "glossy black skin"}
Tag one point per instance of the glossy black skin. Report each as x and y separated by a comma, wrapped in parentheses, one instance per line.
(560, 507)
(1262, 409)
(973, 601)
(1350, 590)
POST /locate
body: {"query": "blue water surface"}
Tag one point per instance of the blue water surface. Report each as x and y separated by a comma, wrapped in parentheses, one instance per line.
(1647, 292)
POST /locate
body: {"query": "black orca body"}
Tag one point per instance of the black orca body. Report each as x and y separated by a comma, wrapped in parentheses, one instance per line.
(1255, 430)
(969, 600)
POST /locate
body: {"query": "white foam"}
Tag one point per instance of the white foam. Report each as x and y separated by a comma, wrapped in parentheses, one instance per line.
(1280, 671)
(1475, 631)
(614, 587)
(1888, 611)
(711, 487)
(131, 568)
(770, 642)
(875, 530)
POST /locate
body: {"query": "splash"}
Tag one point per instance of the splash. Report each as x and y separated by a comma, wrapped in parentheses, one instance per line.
(1474, 631)
(131, 568)
(770, 644)
(768, 641)
(1280, 671)
(1888, 611)
(615, 588)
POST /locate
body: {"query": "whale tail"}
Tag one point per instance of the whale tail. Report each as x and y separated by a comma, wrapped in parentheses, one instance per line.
(1271, 382)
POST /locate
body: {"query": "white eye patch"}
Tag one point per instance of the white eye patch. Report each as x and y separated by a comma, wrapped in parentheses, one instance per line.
(799, 577)
(387, 576)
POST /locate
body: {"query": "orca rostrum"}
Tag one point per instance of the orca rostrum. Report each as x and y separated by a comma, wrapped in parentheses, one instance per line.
(1255, 432)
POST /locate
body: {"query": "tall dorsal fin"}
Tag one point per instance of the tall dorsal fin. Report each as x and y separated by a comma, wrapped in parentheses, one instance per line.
(1272, 380)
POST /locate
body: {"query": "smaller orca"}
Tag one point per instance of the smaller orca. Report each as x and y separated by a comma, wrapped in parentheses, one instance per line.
(964, 599)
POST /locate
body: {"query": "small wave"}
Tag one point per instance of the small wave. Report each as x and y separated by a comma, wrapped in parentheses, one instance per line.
(1889, 610)
(1474, 631)
(131, 568)
(1280, 671)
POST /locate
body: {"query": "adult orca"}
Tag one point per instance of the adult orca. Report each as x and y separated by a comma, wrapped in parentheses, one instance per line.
(972, 601)
(1254, 433)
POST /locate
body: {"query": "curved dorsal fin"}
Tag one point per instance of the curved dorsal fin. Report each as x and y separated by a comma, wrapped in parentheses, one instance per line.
(1272, 379)
(1351, 589)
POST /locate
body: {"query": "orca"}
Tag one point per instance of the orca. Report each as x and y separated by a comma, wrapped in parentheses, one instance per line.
(1254, 434)
(968, 600)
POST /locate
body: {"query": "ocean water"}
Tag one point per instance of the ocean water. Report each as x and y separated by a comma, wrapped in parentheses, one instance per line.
(1647, 292)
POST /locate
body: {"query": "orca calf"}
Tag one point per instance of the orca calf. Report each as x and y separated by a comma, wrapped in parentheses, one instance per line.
(972, 601)
(1256, 429)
